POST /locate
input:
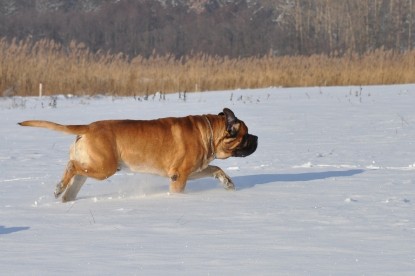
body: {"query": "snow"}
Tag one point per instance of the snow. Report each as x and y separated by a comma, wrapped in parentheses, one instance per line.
(329, 191)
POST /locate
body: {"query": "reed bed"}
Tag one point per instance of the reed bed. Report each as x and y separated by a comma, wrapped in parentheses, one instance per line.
(76, 70)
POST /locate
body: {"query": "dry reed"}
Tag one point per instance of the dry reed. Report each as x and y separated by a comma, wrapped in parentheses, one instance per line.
(76, 70)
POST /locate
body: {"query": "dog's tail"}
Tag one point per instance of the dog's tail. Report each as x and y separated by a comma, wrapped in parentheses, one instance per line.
(69, 129)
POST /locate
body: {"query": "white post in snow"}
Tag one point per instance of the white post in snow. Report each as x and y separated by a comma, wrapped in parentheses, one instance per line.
(40, 89)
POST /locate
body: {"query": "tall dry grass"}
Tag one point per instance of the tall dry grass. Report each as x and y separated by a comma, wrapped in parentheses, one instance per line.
(77, 70)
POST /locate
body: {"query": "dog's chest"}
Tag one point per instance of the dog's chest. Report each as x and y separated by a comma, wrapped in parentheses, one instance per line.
(140, 168)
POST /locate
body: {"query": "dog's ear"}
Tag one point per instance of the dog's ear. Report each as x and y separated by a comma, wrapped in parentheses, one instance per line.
(232, 123)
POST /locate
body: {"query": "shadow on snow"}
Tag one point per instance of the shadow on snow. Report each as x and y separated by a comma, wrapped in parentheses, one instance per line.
(249, 181)
(8, 230)
(241, 182)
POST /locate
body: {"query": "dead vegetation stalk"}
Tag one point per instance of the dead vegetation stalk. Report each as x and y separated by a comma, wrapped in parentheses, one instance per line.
(77, 70)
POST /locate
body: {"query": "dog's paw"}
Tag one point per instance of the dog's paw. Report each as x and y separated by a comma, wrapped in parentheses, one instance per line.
(59, 189)
(226, 181)
(228, 184)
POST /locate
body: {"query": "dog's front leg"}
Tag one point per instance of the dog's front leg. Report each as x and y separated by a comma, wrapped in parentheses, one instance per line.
(216, 172)
(178, 182)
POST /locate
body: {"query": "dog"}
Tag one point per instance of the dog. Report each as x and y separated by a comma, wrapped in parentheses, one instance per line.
(177, 148)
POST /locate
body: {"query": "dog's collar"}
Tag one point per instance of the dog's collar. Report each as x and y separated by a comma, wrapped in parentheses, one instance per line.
(212, 148)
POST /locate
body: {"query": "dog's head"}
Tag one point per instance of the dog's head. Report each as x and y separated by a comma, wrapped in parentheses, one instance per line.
(235, 141)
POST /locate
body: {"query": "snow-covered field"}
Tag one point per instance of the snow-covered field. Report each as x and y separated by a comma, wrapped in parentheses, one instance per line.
(329, 191)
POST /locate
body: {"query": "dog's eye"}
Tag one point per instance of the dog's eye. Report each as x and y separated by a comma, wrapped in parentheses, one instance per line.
(233, 133)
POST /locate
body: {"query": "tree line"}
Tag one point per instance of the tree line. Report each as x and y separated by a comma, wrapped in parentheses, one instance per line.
(238, 28)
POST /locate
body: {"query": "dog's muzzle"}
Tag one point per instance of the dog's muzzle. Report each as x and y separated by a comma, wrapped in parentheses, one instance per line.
(247, 146)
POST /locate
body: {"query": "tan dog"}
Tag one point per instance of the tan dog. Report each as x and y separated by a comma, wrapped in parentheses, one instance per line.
(179, 148)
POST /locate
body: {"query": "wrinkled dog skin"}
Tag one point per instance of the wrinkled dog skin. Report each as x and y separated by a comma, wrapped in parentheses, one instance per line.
(178, 148)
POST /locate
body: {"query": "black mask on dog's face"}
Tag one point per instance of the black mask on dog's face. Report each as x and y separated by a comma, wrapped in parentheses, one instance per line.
(247, 146)
(239, 141)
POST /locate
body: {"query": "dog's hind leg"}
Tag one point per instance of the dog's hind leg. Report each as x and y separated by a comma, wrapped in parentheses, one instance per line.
(73, 188)
(68, 175)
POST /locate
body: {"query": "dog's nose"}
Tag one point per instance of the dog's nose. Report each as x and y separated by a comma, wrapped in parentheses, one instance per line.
(253, 139)
(254, 142)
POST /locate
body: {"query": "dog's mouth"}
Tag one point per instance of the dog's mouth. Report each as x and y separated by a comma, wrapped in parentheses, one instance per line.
(247, 146)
